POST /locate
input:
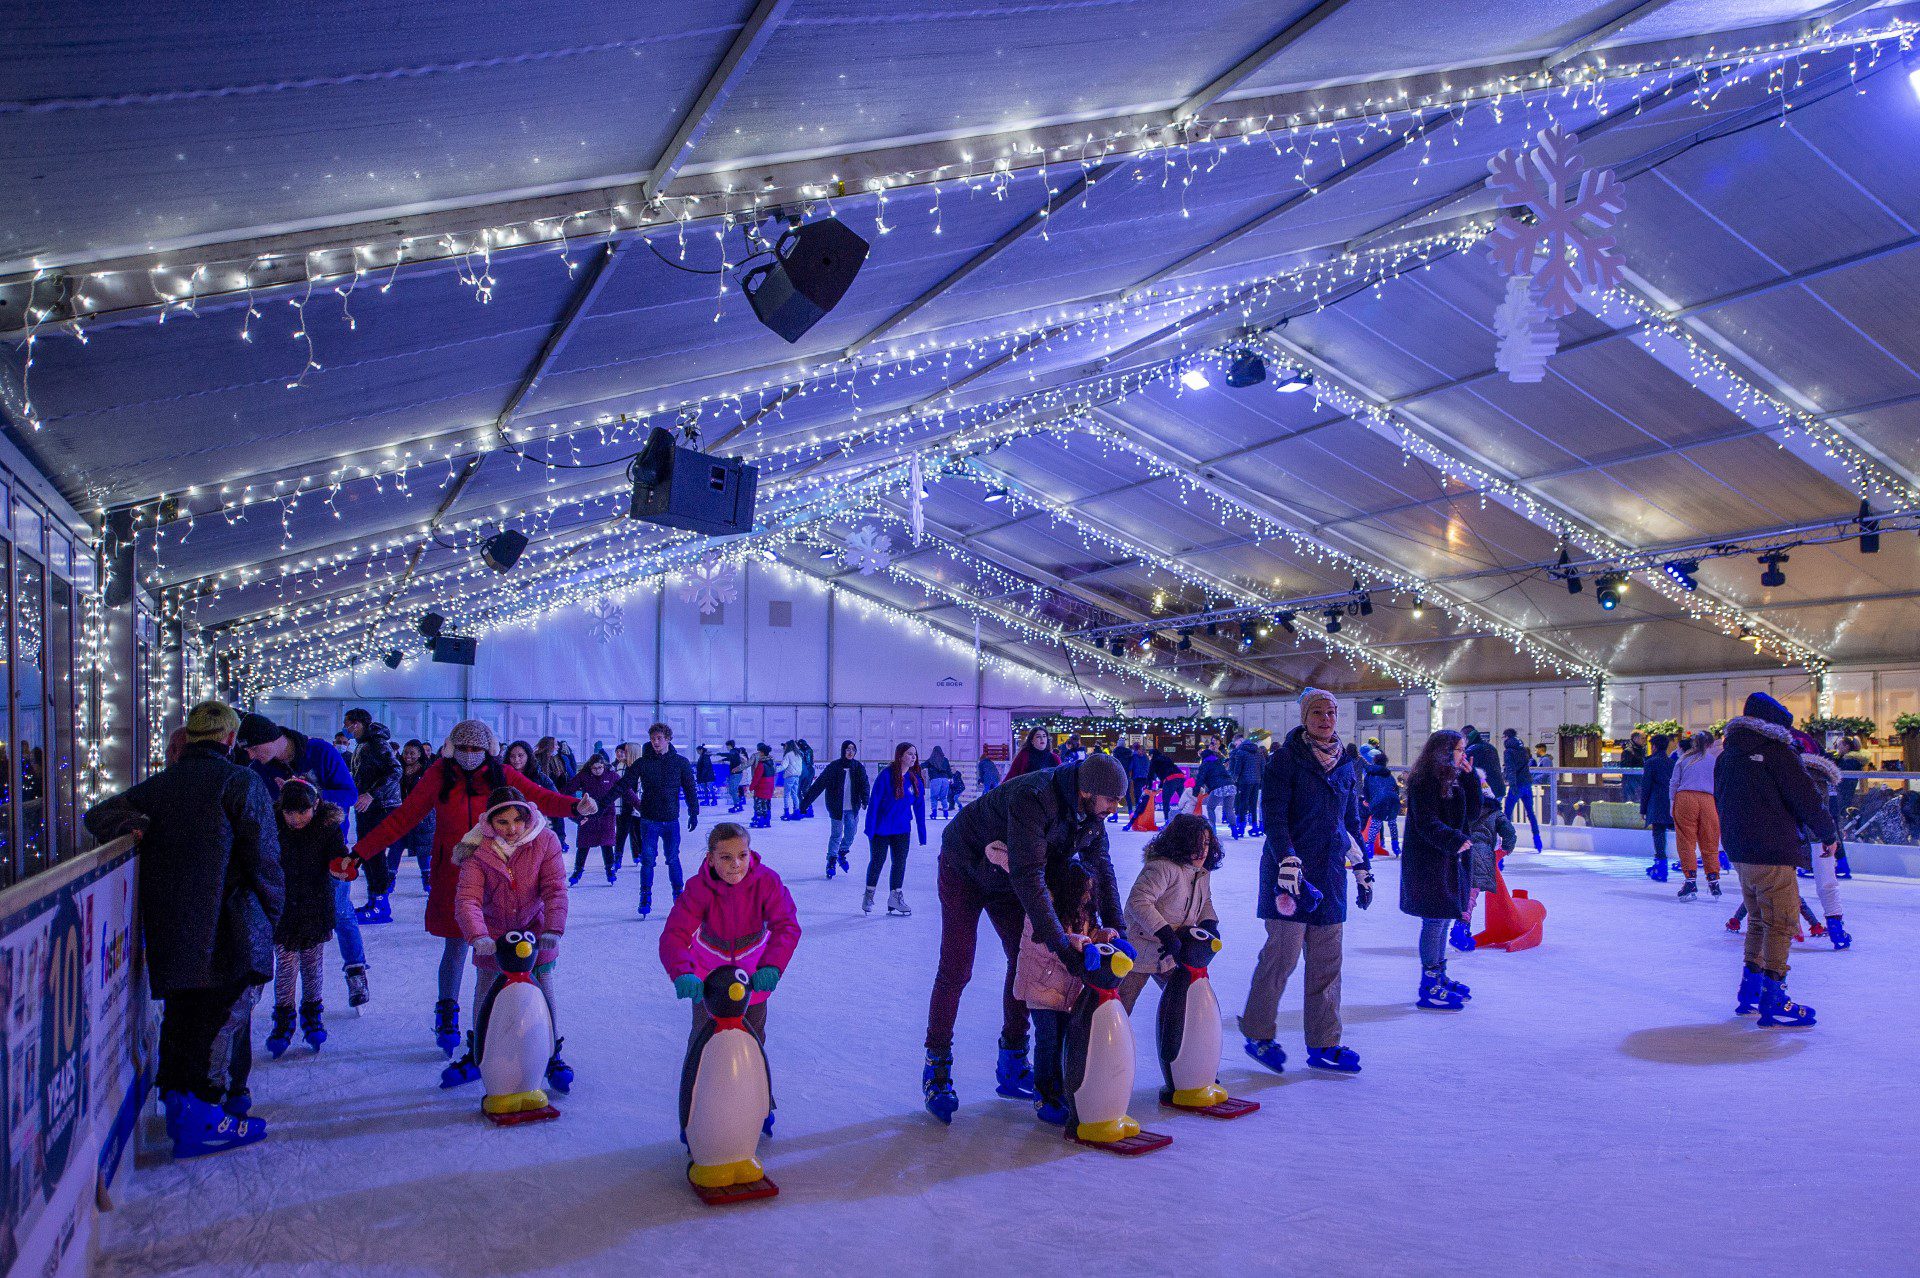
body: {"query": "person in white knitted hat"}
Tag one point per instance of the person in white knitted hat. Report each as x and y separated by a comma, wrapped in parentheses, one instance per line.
(455, 789)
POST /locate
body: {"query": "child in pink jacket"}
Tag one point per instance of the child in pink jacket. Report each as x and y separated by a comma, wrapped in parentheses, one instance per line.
(737, 912)
(512, 875)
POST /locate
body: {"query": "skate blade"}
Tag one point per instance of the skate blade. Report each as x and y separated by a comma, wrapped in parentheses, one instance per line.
(1128, 1147)
(726, 1195)
(1232, 1107)
(546, 1115)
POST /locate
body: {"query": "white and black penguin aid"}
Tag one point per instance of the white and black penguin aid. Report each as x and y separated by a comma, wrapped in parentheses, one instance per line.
(513, 1038)
(726, 1093)
(1100, 1057)
(1189, 1032)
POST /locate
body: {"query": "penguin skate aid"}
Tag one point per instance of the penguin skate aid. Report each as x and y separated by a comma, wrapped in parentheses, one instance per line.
(726, 944)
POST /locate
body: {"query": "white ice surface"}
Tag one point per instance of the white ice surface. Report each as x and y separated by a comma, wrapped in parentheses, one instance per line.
(1596, 1110)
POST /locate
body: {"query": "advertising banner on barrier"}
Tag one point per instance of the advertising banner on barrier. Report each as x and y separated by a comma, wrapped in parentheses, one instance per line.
(78, 1045)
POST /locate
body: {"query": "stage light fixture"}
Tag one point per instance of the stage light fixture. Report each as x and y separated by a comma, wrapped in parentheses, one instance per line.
(1213, 629)
(1195, 379)
(1869, 531)
(1568, 574)
(1247, 369)
(1294, 382)
(1607, 590)
(1284, 619)
(1419, 608)
(997, 494)
(1682, 571)
(502, 550)
(1186, 641)
(1333, 621)
(1773, 576)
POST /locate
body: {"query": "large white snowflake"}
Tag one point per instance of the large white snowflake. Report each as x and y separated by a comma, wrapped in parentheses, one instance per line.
(710, 586)
(1564, 242)
(1528, 338)
(605, 620)
(868, 550)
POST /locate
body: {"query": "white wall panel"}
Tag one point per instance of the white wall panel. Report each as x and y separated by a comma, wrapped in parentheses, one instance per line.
(876, 736)
(810, 723)
(996, 727)
(1705, 701)
(846, 727)
(635, 720)
(603, 724)
(681, 720)
(710, 727)
(527, 721)
(780, 725)
(1511, 710)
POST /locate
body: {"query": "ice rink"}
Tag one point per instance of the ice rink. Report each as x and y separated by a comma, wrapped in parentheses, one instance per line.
(1597, 1109)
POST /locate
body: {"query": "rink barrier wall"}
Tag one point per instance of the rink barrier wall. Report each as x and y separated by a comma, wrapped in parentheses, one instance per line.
(79, 1043)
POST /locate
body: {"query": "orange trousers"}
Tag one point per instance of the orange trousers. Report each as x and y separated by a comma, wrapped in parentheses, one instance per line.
(1697, 822)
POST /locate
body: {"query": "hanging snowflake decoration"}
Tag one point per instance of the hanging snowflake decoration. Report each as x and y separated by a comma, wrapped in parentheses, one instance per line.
(916, 510)
(868, 550)
(710, 586)
(604, 620)
(1528, 336)
(1561, 237)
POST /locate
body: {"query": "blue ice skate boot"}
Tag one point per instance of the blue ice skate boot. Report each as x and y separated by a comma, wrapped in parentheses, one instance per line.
(312, 1027)
(280, 1037)
(463, 1071)
(1777, 1009)
(1013, 1075)
(1726, 863)
(1658, 870)
(1461, 938)
(1749, 996)
(1050, 1111)
(936, 1084)
(1435, 993)
(559, 1073)
(1458, 987)
(378, 910)
(1841, 870)
(204, 1128)
(1841, 938)
(239, 1104)
(446, 1025)
(1268, 1053)
(1341, 1060)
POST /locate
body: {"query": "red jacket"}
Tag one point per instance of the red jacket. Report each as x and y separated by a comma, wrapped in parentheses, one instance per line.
(452, 819)
(764, 783)
(751, 924)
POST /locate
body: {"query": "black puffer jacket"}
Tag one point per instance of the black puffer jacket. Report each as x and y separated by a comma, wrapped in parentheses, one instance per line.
(1313, 813)
(1482, 755)
(1764, 795)
(211, 891)
(831, 785)
(1037, 815)
(1435, 873)
(305, 855)
(660, 780)
(376, 768)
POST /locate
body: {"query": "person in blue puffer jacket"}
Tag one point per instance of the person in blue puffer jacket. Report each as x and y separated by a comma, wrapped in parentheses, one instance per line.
(897, 806)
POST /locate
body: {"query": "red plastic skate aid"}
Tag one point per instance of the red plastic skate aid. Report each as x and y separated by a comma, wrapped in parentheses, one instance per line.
(1143, 1143)
(726, 1195)
(1147, 822)
(1231, 1107)
(1514, 919)
(546, 1115)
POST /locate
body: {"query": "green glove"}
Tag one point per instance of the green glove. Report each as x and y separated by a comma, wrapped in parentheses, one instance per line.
(688, 986)
(766, 978)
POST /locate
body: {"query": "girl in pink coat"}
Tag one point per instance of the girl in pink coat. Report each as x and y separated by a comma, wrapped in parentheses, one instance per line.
(512, 875)
(735, 911)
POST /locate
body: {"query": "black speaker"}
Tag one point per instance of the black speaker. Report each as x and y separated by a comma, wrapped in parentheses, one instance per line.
(455, 650)
(812, 268)
(502, 550)
(680, 488)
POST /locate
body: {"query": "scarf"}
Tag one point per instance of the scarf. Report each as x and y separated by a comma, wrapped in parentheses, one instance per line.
(1329, 754)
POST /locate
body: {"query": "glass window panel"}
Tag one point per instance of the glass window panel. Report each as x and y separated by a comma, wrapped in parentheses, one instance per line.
(60, 686)
(26, 525)
(30, 715)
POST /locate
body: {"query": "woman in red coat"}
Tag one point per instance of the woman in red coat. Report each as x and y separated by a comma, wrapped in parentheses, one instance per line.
(455, 789)
(1036, 754)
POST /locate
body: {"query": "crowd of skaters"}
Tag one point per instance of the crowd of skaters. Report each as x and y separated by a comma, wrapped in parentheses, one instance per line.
(253, 831)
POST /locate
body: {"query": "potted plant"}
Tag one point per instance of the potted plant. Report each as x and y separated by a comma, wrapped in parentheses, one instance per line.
(1668, 728)
(1580, 745)
(1908, 726)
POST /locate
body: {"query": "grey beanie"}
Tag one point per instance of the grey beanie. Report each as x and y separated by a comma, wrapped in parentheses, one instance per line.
(1310, 695)
(1101, 775)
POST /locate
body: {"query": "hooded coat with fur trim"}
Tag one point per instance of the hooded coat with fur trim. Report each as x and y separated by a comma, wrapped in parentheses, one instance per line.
(526, 888)
(1765, 797)
(305, 855)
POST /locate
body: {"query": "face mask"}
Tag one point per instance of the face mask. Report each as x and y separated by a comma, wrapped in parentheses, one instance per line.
(469, 759)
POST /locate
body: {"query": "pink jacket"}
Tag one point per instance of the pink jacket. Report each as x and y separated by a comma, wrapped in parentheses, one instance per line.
(1040, 979)
(527, 890)
(751, 924)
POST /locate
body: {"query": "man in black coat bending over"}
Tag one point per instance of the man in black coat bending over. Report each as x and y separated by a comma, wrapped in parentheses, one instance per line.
(994, 858)
(211, 892)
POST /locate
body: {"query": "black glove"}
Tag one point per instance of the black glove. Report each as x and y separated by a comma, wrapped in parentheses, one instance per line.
(1363, 885)
(1168, 938)
(693, 820)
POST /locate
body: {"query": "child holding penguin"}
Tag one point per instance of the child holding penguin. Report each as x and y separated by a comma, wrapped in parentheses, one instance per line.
(735, 912)
(1173, 891)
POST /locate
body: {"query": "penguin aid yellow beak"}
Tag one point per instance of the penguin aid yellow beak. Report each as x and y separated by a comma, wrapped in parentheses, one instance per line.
(524, 949)
(1216, 945)
(736, 991)
(1121, 964)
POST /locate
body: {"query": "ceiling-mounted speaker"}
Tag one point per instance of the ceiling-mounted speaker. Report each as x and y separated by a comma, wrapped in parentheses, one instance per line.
(502, 550)
(812, 268)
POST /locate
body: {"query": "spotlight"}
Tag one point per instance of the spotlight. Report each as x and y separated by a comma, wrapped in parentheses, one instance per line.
(1246, 634)
(393, 659)
(1869, 531)
(1186, 641)
(1682, 571)
(1146, 641)
(1773, 576)
(1247, 369)
(1195, 379)
(1333, 621)
(1567, 574)
(811, 270)
(996, 494)
(1607, 590)
(431, 624)
(502, 550)
(1294, 382)
(1213, 629)
(1284, 619)
(827, 552)
(1419, 608)
(1366, 604)
(1264, 630)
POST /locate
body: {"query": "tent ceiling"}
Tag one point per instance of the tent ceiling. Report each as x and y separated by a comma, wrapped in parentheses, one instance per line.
(1790, 250)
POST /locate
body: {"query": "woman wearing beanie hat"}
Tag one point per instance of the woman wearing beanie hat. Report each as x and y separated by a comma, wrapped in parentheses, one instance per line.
(455, 789)
(1310, 797)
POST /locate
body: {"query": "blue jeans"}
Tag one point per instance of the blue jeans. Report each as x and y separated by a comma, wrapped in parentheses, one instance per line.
(652, 833)
(346, 928)
(792, 785)
(840, 832)
(1433, 942)
(938, 788)
(1522, 796)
